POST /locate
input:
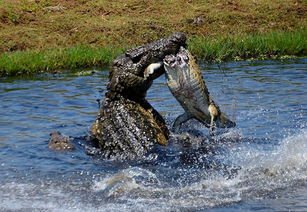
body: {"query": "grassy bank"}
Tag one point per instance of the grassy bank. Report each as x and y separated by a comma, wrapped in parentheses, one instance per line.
(27, 62)
(52, 34)
(272, 45)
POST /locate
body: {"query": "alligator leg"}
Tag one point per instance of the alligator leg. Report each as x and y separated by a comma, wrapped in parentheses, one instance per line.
(214, 113)
(212, 125)
(180, 120)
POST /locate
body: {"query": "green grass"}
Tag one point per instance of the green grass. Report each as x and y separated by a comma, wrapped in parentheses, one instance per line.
(28, 62)
(240, 47)
(47, 35)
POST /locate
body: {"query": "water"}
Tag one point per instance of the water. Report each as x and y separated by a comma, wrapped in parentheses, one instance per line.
(261, 165)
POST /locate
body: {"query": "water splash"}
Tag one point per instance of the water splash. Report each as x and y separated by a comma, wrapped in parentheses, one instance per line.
(261, 160)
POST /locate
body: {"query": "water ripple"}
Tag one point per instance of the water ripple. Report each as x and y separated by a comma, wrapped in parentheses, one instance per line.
(262, 164)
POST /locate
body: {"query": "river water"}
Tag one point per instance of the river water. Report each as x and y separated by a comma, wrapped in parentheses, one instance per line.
(261, 165)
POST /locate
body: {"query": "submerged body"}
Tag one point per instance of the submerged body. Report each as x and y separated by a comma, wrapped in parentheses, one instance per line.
(185, 81)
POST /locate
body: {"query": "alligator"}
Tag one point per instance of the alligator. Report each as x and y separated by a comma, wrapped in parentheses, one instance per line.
(187, 85)
(127, 126)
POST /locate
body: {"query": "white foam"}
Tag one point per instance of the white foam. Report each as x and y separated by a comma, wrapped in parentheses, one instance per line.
(291, 153)
(124, 181)
(137, 188)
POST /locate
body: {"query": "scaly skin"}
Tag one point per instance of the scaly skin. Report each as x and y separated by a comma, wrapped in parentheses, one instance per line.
(127, 126)
(59, 142)
(186, 83)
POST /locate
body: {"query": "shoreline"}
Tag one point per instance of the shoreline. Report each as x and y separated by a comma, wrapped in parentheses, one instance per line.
(53, 35)
(274, 45)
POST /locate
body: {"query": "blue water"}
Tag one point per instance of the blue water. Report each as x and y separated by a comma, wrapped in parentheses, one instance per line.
(261, 165)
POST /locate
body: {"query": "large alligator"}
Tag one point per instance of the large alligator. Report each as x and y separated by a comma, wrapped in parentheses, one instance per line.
(127, 126)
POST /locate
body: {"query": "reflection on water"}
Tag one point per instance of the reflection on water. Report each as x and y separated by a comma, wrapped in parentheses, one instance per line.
(260, 165)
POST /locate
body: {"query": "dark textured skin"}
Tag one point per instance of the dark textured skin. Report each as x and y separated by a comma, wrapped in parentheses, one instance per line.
(127, 126)
(59, 142)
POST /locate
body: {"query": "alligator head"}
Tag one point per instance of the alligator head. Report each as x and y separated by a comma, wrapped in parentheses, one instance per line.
(186, 83)
(130, 76)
